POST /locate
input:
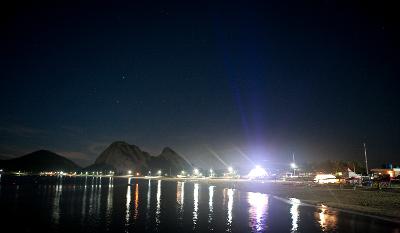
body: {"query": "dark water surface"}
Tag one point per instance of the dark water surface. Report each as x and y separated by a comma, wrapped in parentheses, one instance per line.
(88, 204)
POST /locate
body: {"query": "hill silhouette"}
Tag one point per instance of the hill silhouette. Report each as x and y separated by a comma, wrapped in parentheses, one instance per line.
(41, 160)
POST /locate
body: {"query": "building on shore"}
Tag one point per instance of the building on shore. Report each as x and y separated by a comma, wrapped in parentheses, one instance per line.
(387, 169)
(392, 172)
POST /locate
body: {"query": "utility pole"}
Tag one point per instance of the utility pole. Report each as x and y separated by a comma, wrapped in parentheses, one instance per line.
(366, 160)
(293, 159)
(294, 166)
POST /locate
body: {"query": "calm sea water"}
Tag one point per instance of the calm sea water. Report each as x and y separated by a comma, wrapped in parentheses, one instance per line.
(68, 204)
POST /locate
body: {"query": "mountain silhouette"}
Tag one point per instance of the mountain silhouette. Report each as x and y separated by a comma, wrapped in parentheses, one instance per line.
(122, 157)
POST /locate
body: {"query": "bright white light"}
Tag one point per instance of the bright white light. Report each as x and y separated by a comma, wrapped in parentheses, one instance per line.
(325, 179)
(182, 172)
(129, 172)
(196, 171)
(159, 172)
(257, 172)
(293, 165)
(230, 169)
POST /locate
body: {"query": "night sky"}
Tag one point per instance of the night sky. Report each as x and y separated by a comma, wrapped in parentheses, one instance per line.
(316, 78)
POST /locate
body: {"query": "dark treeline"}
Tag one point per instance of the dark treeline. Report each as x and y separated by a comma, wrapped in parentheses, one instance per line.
(333, 166)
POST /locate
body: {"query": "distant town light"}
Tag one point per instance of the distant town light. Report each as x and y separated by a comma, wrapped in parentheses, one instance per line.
(129, 172)
(293, 165)
(159, 172)
(230, 169)
(196, 171)
(325, 179)
(137, 173)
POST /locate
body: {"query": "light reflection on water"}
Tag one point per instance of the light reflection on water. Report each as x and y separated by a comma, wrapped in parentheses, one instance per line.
(128, 203)
(195, 204)
(258, 211)
(229, 209)
(210, 206)
(180, 195)
(136, 214)
(118, 208)
(148, 202)
(158, 210)
(56, 201)
(148, 194)
(326, 218)
(84, 200)
(109, 200)
(294, 212)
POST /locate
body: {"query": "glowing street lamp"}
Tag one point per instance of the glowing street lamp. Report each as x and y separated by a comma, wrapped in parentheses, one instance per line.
(230, 169)
(129, 172)
(159, 172)
(293, 166)
(196, 171)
